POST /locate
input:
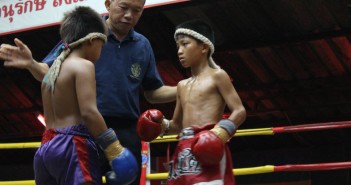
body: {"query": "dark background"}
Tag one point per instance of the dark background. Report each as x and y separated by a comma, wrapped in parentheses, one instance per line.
(290, 61)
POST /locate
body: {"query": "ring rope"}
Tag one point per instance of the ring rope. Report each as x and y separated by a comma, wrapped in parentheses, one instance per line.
(242, 132)
(20, 145)
(272, 168)
(31, 182)
(238, 171)
(312, 127)
(274, 130)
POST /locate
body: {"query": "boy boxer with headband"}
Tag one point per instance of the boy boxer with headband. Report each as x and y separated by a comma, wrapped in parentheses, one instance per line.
(201, 156)
(68, 154)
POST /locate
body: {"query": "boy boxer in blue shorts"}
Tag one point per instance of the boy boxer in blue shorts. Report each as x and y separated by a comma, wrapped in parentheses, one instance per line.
(68, 154)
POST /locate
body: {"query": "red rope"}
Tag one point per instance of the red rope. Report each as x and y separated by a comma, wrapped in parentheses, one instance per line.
(312, 127)
(313, 167)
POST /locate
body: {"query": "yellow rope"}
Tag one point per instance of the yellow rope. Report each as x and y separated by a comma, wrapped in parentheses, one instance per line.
(237, 172)
(31, 182)
(19, 145)
(157, 176)
(163, 176)
(254, 170)
(239, 133)
(24, 182)
(164, 139)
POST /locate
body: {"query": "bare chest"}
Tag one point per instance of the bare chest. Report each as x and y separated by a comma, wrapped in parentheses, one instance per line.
(197, 90)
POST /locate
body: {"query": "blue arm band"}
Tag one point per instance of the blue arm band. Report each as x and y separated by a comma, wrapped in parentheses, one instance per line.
(106, 138)
(228, 125)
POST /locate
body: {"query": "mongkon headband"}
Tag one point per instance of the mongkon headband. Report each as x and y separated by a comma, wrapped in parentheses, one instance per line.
(200, 37)
(51, 76)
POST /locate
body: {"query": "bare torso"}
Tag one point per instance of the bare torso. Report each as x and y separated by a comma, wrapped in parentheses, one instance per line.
(200, 100)
(61, 107)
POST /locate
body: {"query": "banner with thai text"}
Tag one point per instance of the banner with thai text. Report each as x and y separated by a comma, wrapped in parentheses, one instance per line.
(23, 15)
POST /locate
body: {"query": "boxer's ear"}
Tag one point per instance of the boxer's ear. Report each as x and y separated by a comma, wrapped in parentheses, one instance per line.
(205, 48)
(108, 4)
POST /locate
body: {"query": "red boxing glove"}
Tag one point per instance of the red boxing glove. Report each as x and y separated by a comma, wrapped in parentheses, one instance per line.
(150, 125)
(208, 148)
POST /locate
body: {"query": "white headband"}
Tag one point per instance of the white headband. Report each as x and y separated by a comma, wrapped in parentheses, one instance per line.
(195, 35)
(201, 38)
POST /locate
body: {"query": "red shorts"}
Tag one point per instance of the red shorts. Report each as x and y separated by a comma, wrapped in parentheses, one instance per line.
(185, 169)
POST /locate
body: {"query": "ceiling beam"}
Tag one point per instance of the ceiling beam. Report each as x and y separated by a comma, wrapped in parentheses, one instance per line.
(267, 40)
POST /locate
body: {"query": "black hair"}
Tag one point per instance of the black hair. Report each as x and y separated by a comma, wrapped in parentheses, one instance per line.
(200, 27)
(79, 22)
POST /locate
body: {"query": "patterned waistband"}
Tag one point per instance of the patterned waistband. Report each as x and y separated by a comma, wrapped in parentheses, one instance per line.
(186, 133)
(79, 130)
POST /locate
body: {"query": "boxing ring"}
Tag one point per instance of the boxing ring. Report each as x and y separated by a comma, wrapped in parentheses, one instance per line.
(146, 177)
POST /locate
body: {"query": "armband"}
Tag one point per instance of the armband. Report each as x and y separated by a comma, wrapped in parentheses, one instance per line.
(228, 125)
(106, 138)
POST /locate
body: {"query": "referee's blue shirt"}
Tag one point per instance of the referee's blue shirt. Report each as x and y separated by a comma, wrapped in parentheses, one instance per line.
(122, 69)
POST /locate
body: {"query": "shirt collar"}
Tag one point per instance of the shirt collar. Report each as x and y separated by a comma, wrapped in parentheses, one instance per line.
(130, 36)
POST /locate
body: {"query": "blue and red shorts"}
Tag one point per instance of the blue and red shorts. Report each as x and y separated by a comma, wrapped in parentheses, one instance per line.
(67, 156)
